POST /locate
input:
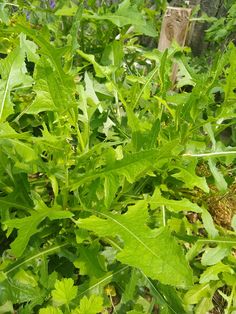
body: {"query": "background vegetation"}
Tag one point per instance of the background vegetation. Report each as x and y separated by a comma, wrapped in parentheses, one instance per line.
(117, 189)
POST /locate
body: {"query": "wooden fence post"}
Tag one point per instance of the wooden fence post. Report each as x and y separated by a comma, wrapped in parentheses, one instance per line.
(175, 27)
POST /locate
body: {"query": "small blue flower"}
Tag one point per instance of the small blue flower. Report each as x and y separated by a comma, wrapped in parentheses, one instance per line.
(27, 14)
(52, 4)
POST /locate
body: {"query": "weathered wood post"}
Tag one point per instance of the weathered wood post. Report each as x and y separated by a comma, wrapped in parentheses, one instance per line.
(211, 8)
(175, 27)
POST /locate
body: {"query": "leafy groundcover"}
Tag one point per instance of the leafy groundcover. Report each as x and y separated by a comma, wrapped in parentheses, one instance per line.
(117, 188)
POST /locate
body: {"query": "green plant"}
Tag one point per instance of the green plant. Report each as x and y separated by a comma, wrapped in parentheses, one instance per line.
(110, 179)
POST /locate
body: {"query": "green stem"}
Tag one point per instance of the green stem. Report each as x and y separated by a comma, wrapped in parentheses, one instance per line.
(230, 300)
(213, 154)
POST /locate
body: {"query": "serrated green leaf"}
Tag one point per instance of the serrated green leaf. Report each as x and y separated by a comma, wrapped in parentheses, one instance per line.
(64, 292)
(28, 226)
(156, 253)
(89, 261)
(131, 166)
(91, 305)
(173, 205)
(191, 180)
(50, 95)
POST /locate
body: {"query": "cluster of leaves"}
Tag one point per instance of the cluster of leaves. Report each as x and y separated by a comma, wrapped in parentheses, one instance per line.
(223, 29)
(107, 169)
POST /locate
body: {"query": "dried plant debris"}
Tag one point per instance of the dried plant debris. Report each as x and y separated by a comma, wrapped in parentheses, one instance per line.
(223, 207)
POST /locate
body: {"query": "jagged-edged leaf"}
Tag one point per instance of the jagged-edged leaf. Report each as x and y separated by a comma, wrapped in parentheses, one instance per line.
(47, 49)
(155, 252)
(101, 71)
(50, 94)
(173, 205)
(64, 292)
(91, 305)
(198, 292)
(30, 48)
(60, 84)
(190, 179)
(28, 226)
(131, 166)
(212, 272)
(89, 261)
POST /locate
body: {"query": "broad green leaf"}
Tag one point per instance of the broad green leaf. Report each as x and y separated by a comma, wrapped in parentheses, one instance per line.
(101, 71)
(21, 293)
(194, 295)
(90, 261)
(212, 272)
(129, 292)
(155, 252)
(91, 305)
(30, 48)
(190, 179)
(113, 54)
(28, 226)
(173, 205)
(25, 277)
(50, 95)
(64, 292)
(47, 49)
(131, 166)
(13, 73)
(18, 150)
(212, 256)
